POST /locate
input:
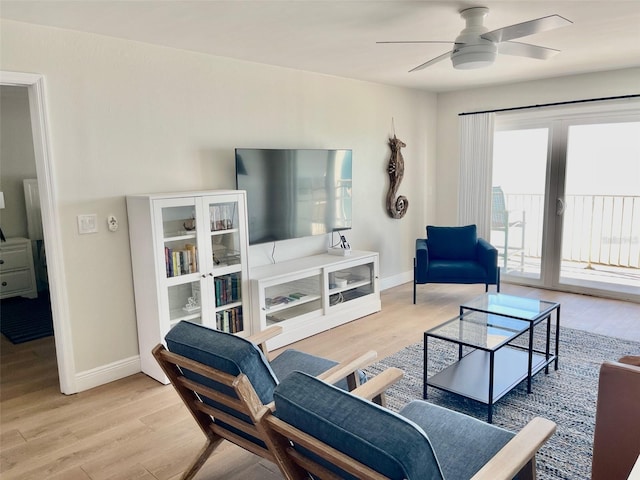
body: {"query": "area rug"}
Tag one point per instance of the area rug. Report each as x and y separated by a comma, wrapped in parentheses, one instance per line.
(24, 319)
(566, 396)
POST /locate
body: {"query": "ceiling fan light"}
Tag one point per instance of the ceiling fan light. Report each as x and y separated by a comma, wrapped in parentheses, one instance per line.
(474, 56)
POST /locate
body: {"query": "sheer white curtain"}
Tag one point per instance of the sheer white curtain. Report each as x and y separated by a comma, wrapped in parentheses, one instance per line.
(476, 159)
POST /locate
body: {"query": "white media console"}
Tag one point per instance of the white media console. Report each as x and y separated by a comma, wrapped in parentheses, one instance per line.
(309, 295)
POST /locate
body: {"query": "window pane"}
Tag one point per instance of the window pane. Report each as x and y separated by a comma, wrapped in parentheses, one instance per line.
(519, 169)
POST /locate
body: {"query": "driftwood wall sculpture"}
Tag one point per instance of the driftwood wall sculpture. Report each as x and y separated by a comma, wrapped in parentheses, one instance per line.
(396, 207)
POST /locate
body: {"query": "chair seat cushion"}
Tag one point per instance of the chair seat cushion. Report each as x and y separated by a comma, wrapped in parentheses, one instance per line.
(460, 270)
(462, 444)
(293, 360)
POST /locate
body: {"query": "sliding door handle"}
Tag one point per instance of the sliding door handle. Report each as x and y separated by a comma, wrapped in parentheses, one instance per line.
(560, 206)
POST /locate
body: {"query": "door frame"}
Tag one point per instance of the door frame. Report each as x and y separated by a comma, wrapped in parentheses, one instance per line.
(35, 85)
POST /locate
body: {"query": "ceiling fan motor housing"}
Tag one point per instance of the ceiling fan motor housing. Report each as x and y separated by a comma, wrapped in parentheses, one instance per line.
(470, 50)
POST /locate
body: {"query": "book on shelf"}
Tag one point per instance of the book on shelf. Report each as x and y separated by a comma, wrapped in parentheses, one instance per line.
(230, 320)
(181, 261)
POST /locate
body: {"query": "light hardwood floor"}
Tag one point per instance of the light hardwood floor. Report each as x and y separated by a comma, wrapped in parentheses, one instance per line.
(137, 429)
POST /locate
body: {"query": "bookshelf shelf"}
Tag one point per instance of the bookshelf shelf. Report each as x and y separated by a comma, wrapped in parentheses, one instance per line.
(195, 268)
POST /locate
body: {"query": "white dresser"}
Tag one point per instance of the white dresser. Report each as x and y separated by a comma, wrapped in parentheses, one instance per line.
(17, 275)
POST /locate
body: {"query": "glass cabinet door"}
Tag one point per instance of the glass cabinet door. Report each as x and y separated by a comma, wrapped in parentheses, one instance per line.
(293, 299)
(226, 260)
(179, 260)
(351, 283)
(180, 241)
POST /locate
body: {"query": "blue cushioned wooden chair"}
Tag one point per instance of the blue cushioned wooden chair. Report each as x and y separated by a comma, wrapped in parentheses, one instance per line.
(455, 255)
(227, 383)
(322, 431)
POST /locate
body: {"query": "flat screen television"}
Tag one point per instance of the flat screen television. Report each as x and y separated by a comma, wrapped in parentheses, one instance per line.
(293, 193)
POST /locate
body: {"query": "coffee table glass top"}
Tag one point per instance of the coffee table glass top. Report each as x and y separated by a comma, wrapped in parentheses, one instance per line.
(480, 330)
(509, 305)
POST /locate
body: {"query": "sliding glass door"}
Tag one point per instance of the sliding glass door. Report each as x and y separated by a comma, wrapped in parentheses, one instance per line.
(566, 202)
(600, 221)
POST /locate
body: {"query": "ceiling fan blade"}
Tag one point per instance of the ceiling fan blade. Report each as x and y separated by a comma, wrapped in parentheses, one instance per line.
(526, 50)
(526, 28)
(431, 62)
(416, 41)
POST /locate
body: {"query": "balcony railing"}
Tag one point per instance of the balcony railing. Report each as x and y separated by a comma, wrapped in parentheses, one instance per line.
(598, 229)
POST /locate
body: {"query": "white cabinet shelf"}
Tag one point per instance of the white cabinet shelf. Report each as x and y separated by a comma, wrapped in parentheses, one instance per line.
(190, 262)
(313, 294)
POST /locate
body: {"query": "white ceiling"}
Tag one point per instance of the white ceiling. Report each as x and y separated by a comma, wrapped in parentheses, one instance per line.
(338, 37)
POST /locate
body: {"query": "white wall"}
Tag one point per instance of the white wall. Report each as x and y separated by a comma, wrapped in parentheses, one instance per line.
(17, 160)
(577, 87)
(128, 117)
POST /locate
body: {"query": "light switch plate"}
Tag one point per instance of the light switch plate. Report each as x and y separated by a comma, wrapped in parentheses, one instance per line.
(87, 224)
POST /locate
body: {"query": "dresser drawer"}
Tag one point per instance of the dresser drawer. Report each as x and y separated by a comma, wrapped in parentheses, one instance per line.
(14, 258)
(15, 282)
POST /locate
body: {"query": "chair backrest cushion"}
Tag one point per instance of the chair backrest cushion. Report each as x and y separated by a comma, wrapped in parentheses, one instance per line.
(373, 435)
(452, 243)
(223, 351)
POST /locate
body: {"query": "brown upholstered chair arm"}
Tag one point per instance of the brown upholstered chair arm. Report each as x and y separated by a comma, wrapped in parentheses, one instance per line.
(616, 442)
(519, 455)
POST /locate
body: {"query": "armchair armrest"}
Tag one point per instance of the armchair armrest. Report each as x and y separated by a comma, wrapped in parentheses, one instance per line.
(422, 261)
(519, 454)
(374, 389)
(261, 338)
(348, 369)
(487, 256)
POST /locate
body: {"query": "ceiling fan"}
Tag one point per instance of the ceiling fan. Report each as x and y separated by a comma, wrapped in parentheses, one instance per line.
(477, 47)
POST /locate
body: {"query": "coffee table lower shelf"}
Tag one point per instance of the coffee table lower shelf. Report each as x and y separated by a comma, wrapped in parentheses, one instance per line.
(470, 376)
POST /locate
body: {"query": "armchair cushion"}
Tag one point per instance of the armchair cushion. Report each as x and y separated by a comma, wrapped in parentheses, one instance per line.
(293, 360)
(454, 446)
(234, 355)
(226, 352)
(449, 430)
(377, 437)
(452, 243)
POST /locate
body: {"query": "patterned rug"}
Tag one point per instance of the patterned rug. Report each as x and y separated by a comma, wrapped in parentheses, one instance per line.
(566, 396)
(25, 319)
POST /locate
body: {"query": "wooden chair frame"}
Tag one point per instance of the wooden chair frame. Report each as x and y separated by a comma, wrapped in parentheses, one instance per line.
(516, 458)
(245, 402)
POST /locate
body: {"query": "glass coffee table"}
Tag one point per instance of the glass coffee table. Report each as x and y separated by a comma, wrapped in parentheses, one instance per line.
(529, 310)
(493, 367)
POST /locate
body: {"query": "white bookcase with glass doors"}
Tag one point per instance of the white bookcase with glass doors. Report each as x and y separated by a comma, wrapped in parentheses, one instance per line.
(190, 262)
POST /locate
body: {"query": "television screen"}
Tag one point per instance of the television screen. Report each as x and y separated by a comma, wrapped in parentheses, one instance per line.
(294, 193)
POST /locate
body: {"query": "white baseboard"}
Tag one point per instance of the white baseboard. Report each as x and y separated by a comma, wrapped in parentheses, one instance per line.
(107, 373)
(394, 281)
(130, 366)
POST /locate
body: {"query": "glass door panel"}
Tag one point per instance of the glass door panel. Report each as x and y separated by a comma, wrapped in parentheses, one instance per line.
(180, 251)
(518, 200)
(225, 234)
(601, 214)
(184, 303)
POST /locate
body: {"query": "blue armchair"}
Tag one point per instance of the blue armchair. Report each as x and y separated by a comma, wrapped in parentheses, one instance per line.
(455, 255)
